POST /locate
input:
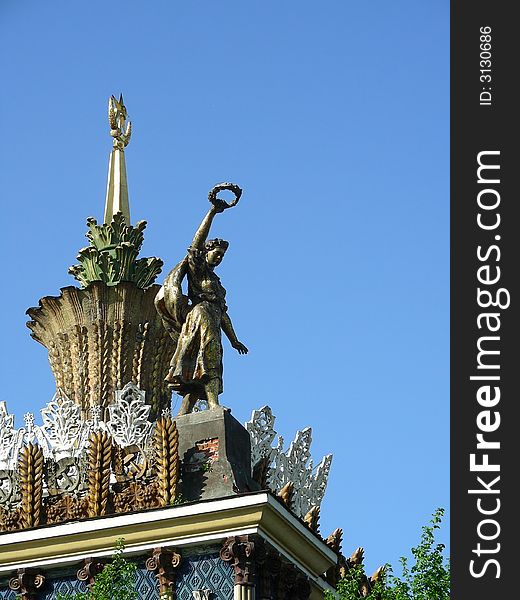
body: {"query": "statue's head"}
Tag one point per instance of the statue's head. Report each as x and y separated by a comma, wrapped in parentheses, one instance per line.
(215, 250)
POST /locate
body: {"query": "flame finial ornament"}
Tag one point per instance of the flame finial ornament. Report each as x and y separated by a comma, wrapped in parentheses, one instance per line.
(117, 116)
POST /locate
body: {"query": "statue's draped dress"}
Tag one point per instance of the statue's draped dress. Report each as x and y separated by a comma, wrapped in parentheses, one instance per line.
(198, 355)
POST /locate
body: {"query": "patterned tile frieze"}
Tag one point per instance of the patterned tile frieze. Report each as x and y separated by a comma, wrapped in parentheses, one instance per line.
(65, 584)
(5, 592)
(205, 572)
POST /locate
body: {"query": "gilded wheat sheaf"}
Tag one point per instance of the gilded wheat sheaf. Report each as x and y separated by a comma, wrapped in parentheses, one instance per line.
(166, 446)
(156, 371)
(105, 362)
(82, 333)
(31, 485)
(117, 349)
(76, 390)
(99, 460)
(96, 371)
(54, 359)
(141, 340)
(66, 360)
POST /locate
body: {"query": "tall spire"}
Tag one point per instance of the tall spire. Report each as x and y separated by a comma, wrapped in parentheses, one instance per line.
(117, 185)
(111, 256)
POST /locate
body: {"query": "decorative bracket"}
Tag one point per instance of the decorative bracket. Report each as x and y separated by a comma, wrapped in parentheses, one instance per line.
(242, 553)
(87, 573)
(27, 583)
(164, 563)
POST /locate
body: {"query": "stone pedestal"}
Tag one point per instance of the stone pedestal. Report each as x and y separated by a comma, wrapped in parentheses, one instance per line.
(215, 450)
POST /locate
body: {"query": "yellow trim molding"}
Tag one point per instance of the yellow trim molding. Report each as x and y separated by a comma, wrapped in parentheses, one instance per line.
(177, 526)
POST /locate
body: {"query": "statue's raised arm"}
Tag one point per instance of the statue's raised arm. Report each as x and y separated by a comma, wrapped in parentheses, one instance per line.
(196, 321)
(217, 206)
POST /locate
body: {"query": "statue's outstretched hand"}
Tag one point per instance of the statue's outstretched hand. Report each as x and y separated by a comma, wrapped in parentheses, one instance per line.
(219, 205)
(240, 348)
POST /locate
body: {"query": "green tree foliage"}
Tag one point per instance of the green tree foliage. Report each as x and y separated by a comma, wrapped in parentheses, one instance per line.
(427, 579)
(115, 582)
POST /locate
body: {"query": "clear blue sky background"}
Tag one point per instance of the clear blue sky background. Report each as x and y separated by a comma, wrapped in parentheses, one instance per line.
(333, 117)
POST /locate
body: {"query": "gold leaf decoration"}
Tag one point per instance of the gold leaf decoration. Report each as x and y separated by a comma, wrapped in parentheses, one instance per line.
(139, 353)
(99, 459)
(334, 540)
(66, 508)
(377, 575)
(166, 446)
(356, 558)
(158, 366)
(312, 518)
(334, 543)
(9, 519)
(286, 493)
(30, 466)
(102, 337)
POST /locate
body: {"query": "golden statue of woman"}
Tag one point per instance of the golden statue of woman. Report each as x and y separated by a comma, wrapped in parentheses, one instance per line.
(195, 321)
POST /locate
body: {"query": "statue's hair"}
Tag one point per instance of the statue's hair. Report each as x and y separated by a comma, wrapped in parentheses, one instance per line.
(216, 243)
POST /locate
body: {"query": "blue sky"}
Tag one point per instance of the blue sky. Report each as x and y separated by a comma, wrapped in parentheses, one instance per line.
(333, 117)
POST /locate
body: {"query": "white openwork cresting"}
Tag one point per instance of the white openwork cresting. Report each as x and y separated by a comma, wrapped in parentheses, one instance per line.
(293, 465)
(64, 437)
(128, 418)
(63, 434)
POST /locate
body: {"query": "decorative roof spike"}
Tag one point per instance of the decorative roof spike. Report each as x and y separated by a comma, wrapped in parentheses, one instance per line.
(117, 185)
(377, 575)
(356, 558)
(312, 518)
(334, 540)
(286, 493)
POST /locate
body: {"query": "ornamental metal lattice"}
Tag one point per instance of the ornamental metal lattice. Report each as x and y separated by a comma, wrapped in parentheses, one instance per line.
(292, 465)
